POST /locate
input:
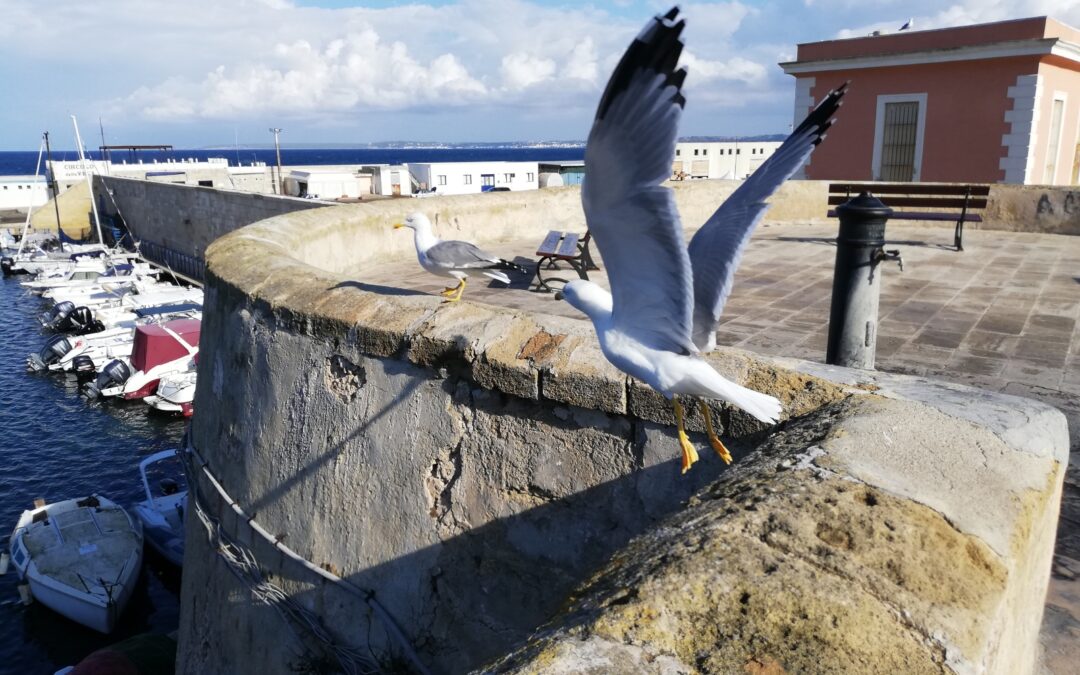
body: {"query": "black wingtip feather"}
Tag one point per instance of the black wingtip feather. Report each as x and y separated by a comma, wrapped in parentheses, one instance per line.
(821, 118)
(656, 48)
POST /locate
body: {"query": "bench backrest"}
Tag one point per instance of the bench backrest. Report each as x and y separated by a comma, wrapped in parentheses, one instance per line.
(914, 195)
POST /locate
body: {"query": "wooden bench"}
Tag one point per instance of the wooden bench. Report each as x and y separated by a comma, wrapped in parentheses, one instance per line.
(567, 247)
(959, 200)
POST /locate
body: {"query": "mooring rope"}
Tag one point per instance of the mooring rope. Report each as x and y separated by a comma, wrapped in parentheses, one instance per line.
(242, 563)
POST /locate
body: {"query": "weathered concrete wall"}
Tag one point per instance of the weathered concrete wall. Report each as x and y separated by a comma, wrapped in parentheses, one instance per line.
(857, 539)
(473, 465)
(187, 218)
(1034, 208)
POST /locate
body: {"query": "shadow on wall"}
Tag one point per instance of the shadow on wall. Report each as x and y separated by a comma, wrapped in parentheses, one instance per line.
(482, 590)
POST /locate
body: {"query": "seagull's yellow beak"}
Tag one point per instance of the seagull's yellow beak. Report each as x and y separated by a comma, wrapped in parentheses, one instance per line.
(398, 226)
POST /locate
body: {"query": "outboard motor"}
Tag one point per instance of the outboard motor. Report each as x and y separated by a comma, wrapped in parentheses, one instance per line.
(81, 321)
(57, 315)
(113, 373)
(83, 366)
(53, 351)
(7, 265)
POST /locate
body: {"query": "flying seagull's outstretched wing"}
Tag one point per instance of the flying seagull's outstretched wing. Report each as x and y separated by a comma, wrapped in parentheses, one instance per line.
(717, 247)
(632, 218)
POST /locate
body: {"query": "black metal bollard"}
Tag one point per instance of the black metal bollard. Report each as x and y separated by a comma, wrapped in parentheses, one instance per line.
(853, 315)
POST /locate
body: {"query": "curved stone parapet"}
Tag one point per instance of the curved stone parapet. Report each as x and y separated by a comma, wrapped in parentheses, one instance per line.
(472, 466)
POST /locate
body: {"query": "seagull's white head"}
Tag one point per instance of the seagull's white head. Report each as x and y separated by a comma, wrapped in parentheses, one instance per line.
(417, 221)
(586, 296)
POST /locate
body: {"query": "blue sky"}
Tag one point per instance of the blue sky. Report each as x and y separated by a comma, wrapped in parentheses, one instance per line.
(205, 72)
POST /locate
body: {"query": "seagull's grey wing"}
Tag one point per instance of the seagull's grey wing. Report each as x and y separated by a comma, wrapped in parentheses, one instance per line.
(633, 220)
(717, 247)
(459, 255)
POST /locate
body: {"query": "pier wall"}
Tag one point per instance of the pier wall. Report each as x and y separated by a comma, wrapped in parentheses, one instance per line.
(484, 471)
(186, 218)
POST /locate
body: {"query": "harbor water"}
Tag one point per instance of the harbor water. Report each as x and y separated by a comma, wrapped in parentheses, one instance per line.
(55, 445)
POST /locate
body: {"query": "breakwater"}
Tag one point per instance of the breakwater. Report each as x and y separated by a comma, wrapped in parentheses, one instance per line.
(474, 466)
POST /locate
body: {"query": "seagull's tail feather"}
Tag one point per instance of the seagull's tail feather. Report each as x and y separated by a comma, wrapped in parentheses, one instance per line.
(497, 276)
(762, 407)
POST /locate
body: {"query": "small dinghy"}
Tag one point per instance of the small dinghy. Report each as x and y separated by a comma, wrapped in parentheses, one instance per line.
(162, 512)
(81, 558)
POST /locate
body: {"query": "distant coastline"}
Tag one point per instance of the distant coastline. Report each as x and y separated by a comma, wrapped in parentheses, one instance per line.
(21, 163)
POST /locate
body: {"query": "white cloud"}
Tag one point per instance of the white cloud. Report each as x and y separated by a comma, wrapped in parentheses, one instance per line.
(520, 70)
(735, 69)
(930, 15)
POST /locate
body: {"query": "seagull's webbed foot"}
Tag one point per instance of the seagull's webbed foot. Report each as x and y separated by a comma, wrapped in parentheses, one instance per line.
(714, 440)
(449, 293)
(689, 454)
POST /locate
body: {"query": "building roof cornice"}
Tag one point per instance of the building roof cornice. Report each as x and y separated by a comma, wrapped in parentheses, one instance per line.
(997, 50)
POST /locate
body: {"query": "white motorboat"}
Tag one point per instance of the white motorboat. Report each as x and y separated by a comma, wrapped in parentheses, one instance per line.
(159, 350)
(131, 316)
(85, 280)
(139, 291)
(174, 394)
(80, 557)
(162, 512)
(78, 271)
(82, 353)
(38, 260)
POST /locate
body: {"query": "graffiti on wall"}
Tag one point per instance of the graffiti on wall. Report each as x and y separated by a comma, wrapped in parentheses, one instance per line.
(1058, 204)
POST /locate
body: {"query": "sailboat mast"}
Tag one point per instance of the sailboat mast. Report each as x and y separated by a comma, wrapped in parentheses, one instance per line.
(30, 209)
(89, 181)
(55, 188)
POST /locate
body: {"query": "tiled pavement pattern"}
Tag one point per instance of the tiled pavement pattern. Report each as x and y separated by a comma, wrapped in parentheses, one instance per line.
(1002, 315)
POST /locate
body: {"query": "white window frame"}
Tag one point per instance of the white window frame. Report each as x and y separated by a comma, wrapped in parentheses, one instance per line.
(1052, 180)
(879, 132)
(468, 179)
(530, 176)
(440, 179)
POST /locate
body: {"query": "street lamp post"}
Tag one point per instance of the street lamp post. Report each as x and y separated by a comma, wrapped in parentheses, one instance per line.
(279, 184)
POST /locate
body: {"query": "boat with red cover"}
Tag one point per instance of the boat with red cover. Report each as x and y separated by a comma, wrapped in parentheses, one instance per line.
(158, 349)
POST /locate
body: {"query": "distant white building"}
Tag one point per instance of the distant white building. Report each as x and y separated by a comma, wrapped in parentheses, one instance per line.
(350, 181)
(212, 172)
(721, 159)
(23, 192)
(462, 178)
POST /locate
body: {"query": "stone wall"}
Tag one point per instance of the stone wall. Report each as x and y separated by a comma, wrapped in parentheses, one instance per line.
(187, 218)
(473, 466)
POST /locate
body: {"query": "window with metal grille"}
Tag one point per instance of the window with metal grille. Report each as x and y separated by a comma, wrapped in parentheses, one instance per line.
(1053, 148)
(898, 141)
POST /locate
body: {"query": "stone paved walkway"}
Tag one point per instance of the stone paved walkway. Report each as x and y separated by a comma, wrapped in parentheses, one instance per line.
(1003, 315)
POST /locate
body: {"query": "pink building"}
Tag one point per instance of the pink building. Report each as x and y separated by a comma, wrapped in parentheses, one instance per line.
(989, 103)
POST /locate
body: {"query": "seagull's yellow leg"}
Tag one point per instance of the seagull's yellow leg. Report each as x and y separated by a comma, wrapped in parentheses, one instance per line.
(689, 454)
(713, 438)
(460, 289)
(448, 291)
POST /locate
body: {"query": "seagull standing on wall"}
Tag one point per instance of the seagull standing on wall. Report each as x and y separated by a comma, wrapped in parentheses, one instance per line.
(455, 259)
(665, 300)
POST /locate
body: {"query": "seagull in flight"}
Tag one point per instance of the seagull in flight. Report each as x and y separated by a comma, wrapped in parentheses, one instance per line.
(666, 299)
(455, 259)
